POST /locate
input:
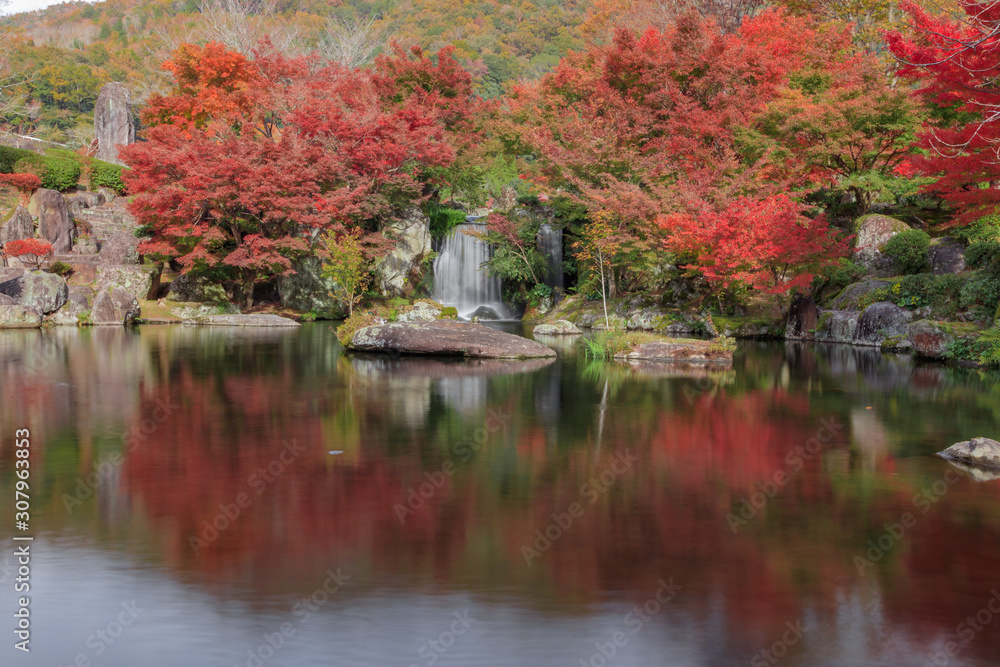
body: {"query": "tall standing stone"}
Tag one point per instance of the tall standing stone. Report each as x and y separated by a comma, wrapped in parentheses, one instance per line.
(54, 223)
(114, 122)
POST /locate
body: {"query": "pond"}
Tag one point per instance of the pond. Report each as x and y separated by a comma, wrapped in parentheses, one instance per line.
(248, 497)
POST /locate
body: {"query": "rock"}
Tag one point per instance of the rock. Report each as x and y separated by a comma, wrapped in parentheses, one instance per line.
(978, 451)
(54, 223)
(881, 321)
(85, 245)
(612, 323)
(45, 292)
(931, 339)
(649, 319)
(308, 290)
(81, 294)
(947, 256)
(803, 316)
(195, 289)
(114, 121)
(254, 320)
(507, 199)
(853, 297)
(140, 281)
(191, 311)
(836, 326)
(67, 316)
(120, 248)
(422, 312)
(446, 338)
(399, 272)
(872, 232)
(19, 317)
(7, 300)
(485, 313)
(79, 201)
(557, 328)
(19, 226)
(678, 350)
(114, 305)
(108, 194)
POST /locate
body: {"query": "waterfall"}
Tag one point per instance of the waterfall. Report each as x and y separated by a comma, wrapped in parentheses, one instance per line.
(550, 242)
(459, 281)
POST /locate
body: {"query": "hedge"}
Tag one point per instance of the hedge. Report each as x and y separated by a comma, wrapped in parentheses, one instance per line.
(9, 157)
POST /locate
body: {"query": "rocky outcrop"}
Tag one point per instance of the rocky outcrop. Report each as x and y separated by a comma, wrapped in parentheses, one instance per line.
(947, 256)
(114, 121)
(881, 321)
(54, 223)
(190, 311)
(308, 290)
(978, 451)
(253, 320)
(120, 248)
(7, 301)
(871, 233)
(45, 292)
(193, 289)
(446, 338)
(855, 296)
(802, 318)
(423, 311)
(67, 316)
(557, 328)
(836, 326)
(679, 351)
(19, 317)
(20, 226)
(399, 272)
(81, 294)
(114, 305)
(931, 339)
(140, 281)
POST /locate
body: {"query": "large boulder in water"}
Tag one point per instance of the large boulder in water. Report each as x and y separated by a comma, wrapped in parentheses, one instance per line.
(45, 292)
(881, 321)
(140, 281)
(837, 326)
(114, 121)
(802, 318)
(446, 338)
(187, 288)
(114, 305)
(399, 272)
(978, 451)
(871, 234)
(557, 328)
(54, 223)
(19, 317)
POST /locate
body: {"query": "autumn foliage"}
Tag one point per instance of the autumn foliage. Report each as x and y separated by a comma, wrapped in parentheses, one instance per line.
(32, 252)
(247, 162)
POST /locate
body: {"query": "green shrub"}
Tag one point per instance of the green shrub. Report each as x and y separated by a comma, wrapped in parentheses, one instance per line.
(908, 251)
(10, 156)
(984, 350)
(984, 255)
(106, 175)
(981, 292)
(352, 324)
(537, 294)
(986, 228)
(834, 278)
(60, 268)
(57, 173)
(444, 219)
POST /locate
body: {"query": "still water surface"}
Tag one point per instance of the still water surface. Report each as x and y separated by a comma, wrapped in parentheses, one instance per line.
(371, 511)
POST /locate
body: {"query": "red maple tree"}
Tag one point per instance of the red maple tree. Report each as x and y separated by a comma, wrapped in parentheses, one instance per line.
(32, 252)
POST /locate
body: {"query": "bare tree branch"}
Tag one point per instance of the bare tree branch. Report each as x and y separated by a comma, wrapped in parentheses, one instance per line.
(350, 43)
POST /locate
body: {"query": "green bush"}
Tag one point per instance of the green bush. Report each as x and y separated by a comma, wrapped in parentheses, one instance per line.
(908, 251)
(981, 292)
(60, 269)
(448, 313)
(537, 294)
(984, 350)
(986, 228)
(106, 175)
(984, 255)
(359, 320)
(57, 173)
(444, 219)
(10, 156)
(834, 278)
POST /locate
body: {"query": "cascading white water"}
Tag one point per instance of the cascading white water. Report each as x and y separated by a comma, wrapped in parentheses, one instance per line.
(550, 242)
(458, 279)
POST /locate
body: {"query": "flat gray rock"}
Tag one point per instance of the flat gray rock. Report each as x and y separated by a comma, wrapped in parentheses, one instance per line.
(978, 451)
(557, 328)
(447, 338)
(19, 317)
(252, 320)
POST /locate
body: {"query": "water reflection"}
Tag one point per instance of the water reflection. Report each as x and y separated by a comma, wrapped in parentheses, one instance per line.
(755, 489)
